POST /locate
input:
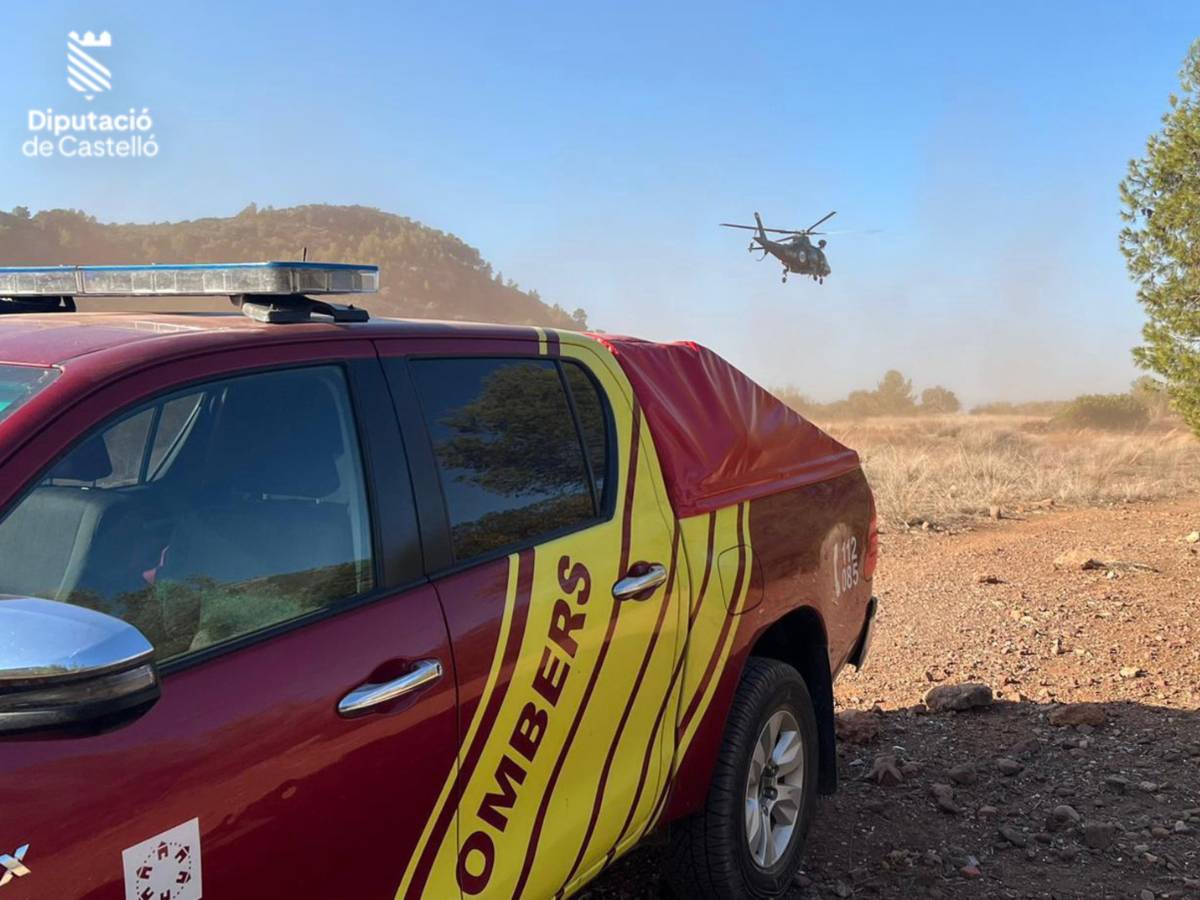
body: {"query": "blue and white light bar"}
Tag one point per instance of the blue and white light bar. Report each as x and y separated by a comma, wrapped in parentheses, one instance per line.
(219, 279)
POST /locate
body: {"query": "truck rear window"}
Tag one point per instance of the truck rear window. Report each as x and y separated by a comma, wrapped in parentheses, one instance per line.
(19, 383)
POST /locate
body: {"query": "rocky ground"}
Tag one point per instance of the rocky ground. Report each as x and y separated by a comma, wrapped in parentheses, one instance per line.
(1079, 777)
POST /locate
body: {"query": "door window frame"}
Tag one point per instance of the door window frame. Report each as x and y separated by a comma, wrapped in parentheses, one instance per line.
(432, 509)
(393, 517)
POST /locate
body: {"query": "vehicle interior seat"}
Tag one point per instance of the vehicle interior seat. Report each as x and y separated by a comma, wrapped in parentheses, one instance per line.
(272, 525)
(79, 543)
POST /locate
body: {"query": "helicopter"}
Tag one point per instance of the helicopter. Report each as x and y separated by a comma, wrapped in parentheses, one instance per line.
(797, 252)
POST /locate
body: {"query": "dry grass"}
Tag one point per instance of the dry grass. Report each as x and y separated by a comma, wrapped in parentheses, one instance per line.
(946, 468)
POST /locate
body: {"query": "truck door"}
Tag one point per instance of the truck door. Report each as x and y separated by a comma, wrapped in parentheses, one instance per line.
(561, 578)
(259, 529)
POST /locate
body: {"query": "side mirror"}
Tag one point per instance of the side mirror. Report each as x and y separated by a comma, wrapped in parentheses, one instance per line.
(64, 666)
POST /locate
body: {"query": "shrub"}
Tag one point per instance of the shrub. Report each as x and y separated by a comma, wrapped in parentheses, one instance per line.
(1152, 394)
(938, 399)
(1107, 412)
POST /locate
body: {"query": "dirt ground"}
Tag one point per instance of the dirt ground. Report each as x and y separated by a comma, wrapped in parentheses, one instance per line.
(1024, 807)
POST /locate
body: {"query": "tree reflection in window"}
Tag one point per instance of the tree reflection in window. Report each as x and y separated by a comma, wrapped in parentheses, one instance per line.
(507, 449)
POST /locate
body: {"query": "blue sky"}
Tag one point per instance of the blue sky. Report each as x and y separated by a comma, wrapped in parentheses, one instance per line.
(589, 150)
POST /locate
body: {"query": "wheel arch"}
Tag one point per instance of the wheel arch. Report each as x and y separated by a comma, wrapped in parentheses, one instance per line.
(800, 640)
(797, 638)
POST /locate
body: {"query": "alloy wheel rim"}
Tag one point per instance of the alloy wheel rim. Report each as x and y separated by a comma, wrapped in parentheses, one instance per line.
(774, 789)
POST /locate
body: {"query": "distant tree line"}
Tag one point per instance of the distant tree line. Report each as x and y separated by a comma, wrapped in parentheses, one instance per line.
(1145, 404)
(892, 396)
(424, 273)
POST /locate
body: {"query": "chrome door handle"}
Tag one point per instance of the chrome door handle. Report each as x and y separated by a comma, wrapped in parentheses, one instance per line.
(366, 696)
(630, 586)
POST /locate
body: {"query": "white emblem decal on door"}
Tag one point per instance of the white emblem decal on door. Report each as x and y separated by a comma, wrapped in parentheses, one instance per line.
(13, 864)
(166, 866)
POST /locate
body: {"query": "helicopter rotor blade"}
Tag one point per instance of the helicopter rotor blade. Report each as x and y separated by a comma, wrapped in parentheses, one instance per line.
(809, 229)
(851, 231)
(755, 228)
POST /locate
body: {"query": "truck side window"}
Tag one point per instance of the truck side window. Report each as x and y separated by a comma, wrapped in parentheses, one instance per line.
(205, 515)
(593, 423)
(507, 450)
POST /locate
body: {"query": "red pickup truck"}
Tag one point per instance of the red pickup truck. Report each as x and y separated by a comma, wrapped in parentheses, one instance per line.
(340, 609)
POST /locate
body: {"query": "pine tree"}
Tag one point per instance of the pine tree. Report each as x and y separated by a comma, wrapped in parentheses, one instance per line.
(1161, 243)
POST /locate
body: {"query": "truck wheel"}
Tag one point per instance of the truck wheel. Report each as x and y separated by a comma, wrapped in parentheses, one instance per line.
(749, 838)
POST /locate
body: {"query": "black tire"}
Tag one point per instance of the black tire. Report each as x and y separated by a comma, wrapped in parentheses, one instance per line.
(710, 855)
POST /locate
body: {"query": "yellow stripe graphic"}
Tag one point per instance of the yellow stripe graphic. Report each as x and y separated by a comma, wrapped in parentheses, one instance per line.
(510, 597)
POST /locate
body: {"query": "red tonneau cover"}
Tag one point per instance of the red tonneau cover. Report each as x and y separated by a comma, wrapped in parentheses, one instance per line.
(721, 439)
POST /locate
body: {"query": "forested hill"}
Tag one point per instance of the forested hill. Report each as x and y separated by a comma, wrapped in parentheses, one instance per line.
(424, 273)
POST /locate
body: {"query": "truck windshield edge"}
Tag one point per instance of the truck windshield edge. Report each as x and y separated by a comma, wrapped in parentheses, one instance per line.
(19, 383)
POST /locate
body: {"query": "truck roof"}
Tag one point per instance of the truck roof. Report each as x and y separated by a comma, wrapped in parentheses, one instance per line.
(53, 339)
